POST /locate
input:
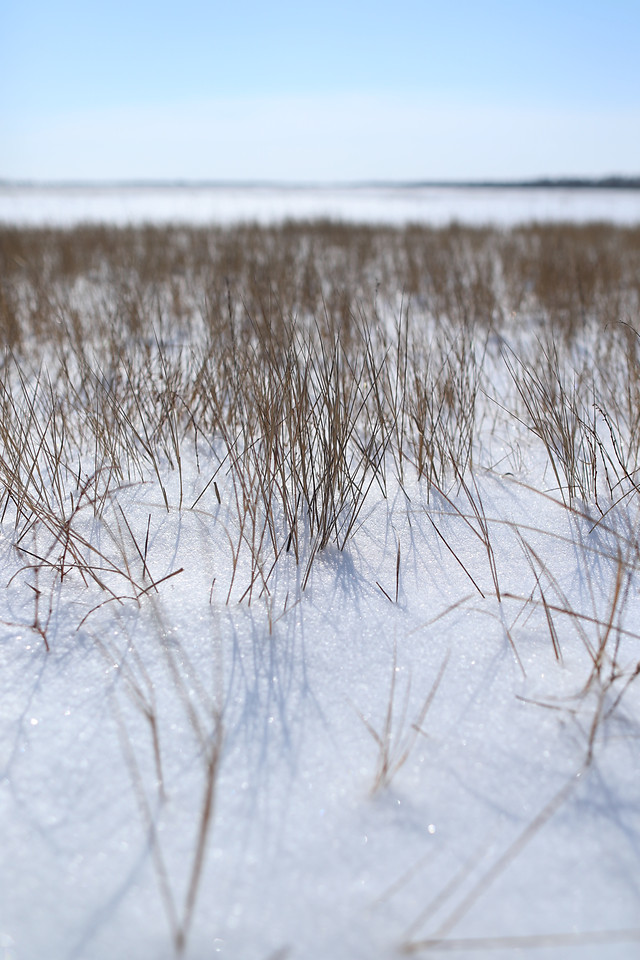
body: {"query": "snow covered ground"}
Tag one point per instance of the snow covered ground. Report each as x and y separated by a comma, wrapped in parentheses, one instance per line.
(428, 745)
(491, 827)
(64, 206)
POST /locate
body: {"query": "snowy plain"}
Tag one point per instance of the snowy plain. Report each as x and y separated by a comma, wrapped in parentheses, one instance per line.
(68, 205)
(392, 756)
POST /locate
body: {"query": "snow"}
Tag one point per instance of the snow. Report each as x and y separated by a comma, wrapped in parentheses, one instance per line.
(505, 810)
(302, 856)
(65, 206)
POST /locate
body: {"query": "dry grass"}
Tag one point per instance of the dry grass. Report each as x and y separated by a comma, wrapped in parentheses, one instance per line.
(395, 741)
(312, 356)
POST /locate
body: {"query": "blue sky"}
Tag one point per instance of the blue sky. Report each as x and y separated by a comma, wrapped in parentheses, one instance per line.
(338, 91)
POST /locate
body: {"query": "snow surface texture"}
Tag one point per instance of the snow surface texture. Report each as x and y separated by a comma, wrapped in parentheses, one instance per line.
(430, 742)
(491, 827)
(65, 206)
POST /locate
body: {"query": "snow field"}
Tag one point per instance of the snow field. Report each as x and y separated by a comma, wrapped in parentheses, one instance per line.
(68, 206)
(424, 729)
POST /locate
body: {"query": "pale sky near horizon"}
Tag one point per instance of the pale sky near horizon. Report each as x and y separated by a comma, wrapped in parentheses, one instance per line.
(333, 92)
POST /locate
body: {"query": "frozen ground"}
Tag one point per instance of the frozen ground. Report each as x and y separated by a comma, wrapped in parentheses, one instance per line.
(65, 206)
(428, 747)
(498, 822)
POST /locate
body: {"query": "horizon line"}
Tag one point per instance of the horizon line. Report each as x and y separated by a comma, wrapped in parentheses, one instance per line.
(609, 182)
